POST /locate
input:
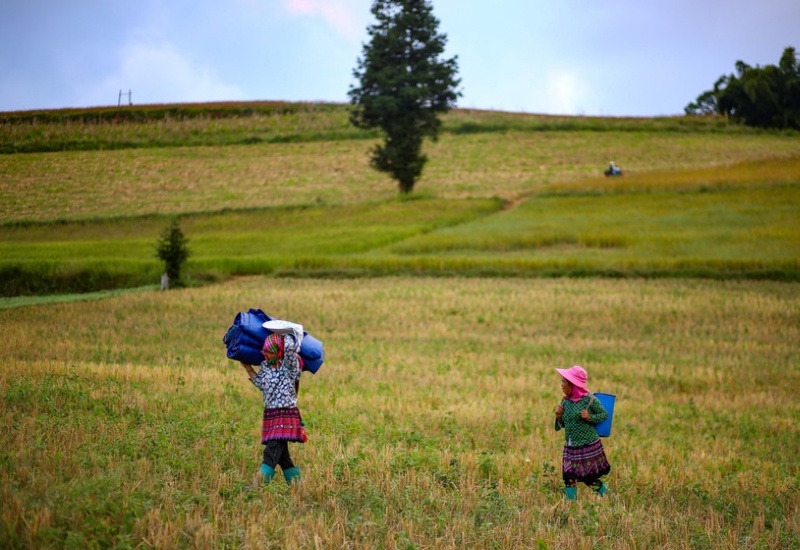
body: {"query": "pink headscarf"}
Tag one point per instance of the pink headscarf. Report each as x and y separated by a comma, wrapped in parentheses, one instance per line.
(577, 377)
(274, 344)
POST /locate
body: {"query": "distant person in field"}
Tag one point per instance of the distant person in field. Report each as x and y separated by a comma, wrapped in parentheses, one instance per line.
(584, 459)
(278, 378)
(613, 169)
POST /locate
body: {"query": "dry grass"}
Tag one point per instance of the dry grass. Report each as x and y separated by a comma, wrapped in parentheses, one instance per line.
(100, 184)
(430, 421)
(750, 174)
(124, 425)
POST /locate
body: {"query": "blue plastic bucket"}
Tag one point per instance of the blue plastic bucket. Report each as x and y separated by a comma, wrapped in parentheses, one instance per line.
(607, 400)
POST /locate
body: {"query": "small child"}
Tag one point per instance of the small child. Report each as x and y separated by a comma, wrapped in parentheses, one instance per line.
(278, 378)
(584, 459)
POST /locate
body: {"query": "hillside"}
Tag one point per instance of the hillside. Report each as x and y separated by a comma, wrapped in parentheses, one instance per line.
(241, 175)
(247, 123)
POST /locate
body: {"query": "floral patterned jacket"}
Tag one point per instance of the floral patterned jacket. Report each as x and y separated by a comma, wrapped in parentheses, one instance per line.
(278, 384)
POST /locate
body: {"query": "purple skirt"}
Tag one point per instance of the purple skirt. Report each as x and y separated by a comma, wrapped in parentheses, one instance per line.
(585, 464)
(283, 424)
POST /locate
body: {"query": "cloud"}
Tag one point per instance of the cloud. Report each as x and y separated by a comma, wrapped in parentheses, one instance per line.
(565, 93)
(344, 16)
(159, 73)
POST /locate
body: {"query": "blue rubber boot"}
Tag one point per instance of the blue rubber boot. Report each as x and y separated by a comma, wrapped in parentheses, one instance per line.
(268, 472)
(600, 489)
(292, 475)
(571, 493)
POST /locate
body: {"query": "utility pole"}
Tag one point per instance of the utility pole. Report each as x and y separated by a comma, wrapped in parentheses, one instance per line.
(130, 97)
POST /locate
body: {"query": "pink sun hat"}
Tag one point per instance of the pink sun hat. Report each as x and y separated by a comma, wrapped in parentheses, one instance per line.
(575, 375)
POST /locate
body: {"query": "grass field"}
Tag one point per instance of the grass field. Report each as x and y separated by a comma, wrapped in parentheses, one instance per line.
(430, 422)
(504, 194)
(87, 185)
(443, 315)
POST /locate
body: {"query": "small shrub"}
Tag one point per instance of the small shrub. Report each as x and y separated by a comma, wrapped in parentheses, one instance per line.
(173, 250)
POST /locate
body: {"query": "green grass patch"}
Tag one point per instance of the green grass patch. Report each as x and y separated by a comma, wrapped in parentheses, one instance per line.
(740, 224)
(772, 172)
(717, 228)
(46, 276)
(173, 127)
(88, 256)
(249, 123)
(21, 301)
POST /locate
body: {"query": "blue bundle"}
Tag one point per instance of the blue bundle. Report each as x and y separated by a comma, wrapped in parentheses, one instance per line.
(245, 339)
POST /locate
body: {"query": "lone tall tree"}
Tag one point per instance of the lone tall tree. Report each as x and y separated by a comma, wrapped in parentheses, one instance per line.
(404, 86)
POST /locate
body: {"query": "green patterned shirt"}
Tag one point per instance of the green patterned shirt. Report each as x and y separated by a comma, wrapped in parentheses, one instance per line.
(580, 432)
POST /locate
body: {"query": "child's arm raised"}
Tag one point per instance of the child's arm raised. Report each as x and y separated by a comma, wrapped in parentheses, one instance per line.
(250, 372)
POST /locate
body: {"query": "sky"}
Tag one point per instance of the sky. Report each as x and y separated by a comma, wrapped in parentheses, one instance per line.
(569, 57)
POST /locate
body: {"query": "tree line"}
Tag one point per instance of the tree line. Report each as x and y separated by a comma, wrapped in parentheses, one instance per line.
(765, 97)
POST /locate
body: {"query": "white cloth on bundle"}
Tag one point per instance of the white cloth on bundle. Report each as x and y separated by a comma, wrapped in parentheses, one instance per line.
(279, 326)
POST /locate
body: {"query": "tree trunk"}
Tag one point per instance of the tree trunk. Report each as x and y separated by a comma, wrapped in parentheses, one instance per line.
(406, 187)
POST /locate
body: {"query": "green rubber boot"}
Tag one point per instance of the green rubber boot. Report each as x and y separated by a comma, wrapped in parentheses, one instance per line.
(268, 472)
(600, 488)
(292, 475)
(571, 493)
